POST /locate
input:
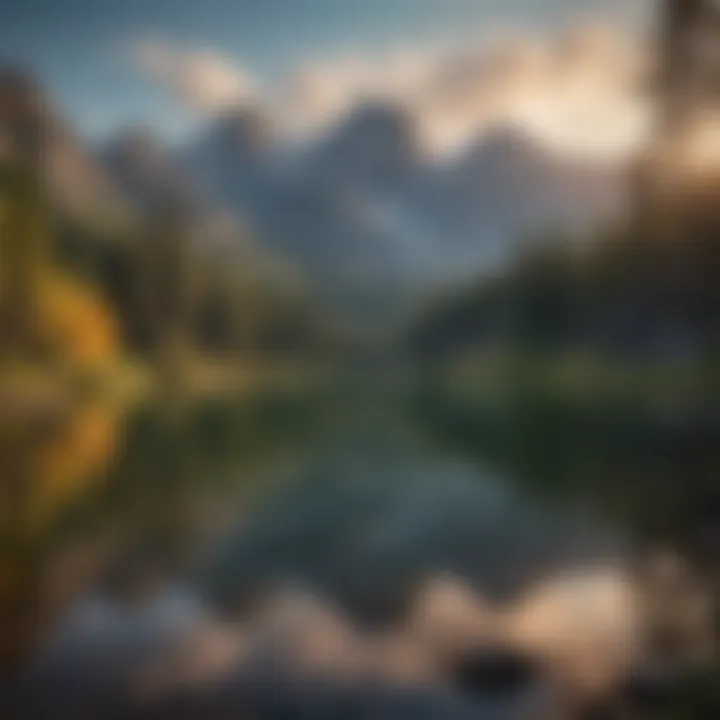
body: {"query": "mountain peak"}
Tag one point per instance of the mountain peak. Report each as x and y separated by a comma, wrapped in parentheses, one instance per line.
(22, 114)
(503, 144)
(376, 147)
(32, 132)
(18, 87)
(147, 170)
(377, 127)
(244, 131)
(138, 149)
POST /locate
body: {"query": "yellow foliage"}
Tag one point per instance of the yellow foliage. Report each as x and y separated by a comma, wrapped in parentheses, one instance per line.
(77, 323)
(65, 465)
(54, 471)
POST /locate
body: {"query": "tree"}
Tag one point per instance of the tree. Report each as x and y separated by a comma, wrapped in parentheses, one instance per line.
(166, 289)
(25, 249)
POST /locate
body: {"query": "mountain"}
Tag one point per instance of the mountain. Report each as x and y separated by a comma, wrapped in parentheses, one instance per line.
(339, 208)
(505, 188)
(230, 158)
(149, 173)
(364, 210)
(377, 150)
(367, 213)
(78, 185)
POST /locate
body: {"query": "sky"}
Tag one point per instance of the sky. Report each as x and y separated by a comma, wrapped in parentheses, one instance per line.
(108, 63)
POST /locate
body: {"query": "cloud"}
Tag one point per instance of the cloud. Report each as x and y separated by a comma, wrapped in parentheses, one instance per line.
(576, 90)
(203, 80)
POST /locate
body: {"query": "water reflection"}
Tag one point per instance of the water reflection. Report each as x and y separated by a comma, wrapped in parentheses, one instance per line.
(223, 551)
(377, 509)
(48, 468)
(103, 495)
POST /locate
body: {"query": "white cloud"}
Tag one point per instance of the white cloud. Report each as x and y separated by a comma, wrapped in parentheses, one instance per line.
(203, 80)
(577, 90)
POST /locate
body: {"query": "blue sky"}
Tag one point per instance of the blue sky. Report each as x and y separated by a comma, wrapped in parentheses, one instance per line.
(77, 47)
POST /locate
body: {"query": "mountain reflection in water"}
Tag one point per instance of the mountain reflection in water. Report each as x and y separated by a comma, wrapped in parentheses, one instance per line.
(264, 561)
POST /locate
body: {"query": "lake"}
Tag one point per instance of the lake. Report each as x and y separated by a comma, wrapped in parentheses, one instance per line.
(353, 555)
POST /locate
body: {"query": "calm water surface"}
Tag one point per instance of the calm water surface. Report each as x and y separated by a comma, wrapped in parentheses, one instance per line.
(129, 534)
